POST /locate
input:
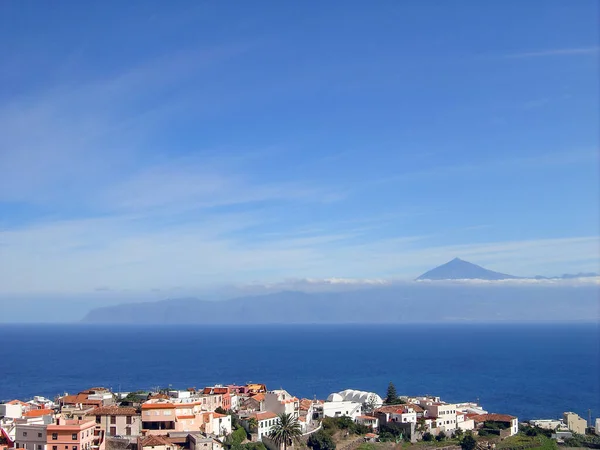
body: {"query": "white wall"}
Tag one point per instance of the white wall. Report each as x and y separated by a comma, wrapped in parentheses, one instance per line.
(339, 409)
(222, 425)
(12, 411)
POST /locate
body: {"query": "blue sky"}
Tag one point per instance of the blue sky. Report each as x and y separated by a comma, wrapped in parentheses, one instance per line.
(146, 145)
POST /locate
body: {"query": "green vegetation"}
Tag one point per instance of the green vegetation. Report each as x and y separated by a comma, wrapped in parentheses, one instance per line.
(286, 431)
(235, 439)
(427, 437)
(367, 446)
(321, 440)
(580, 440)
(522, 441)
(468, 442)
(333, 424)
(392, 432)
(441, 436)
(220, 410)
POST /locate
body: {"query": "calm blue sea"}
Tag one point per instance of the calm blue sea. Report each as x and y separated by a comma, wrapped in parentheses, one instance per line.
(530, 371)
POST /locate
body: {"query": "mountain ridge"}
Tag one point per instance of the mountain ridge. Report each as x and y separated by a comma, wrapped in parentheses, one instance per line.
(458, 269)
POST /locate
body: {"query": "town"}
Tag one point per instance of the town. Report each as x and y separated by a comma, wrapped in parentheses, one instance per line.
(251, 417)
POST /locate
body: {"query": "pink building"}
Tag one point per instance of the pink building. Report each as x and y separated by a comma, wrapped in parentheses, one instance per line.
(70, 435)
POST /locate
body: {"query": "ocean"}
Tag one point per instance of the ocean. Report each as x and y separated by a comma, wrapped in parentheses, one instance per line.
(531, 371)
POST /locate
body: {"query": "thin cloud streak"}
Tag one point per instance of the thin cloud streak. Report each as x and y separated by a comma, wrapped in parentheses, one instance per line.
(556, 52)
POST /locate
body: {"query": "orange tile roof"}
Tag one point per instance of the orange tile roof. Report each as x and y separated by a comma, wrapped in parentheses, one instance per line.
(367, 417)
(305, 404)
(38, 413)
(258, 397)
(219, 415)
(158, 406)
(264, 415)
(17, 402)
(187, 417)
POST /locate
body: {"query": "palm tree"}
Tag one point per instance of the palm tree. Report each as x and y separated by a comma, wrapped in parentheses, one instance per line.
(286, 431)
(252, 425)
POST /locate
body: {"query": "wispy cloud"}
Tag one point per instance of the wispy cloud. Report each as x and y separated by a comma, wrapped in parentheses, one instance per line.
(556, 52)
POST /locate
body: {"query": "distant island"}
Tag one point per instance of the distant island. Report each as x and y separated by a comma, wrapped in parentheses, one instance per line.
(436, 296)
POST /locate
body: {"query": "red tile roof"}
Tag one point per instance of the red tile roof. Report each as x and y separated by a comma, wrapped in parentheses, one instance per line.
(79, 398)
(217, 415)
(367, 417)
(258, 397)
(113, 411)
(155, 441)
(493, 418)
(187, 417)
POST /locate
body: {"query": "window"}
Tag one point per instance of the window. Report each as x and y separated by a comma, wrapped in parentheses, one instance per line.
(74, 436)
(54, 436)
(113, 420)
(55, 447)
(39, 434)
(128, 420)
(39, 447)
(74, 447)
(113, 431)
(24, 433)
(97, 419)
(128, 431)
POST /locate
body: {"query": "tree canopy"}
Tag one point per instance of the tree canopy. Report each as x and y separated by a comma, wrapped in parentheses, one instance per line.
(468, 442)
(392, 395)
(321, 440)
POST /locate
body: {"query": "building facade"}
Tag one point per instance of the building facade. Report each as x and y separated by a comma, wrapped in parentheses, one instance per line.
(70, 435)
(117, 420)
(30, 436)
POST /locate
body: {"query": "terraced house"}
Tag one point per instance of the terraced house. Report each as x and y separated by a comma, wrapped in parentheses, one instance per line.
(117, 420)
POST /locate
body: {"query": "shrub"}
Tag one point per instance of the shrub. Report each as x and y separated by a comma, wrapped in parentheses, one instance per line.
(321, 440)
(441, 436)
(428, 437)
(468, 442)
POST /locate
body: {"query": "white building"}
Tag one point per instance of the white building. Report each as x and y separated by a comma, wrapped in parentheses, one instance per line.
(398, 413)
(221, 425)
(363, 397)
(235, 402)
(463, 423)
(597, 426)
(444, 414)
(335, 406)
(547, 424)
(281, 401)
(12, 410)
(265, 422)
